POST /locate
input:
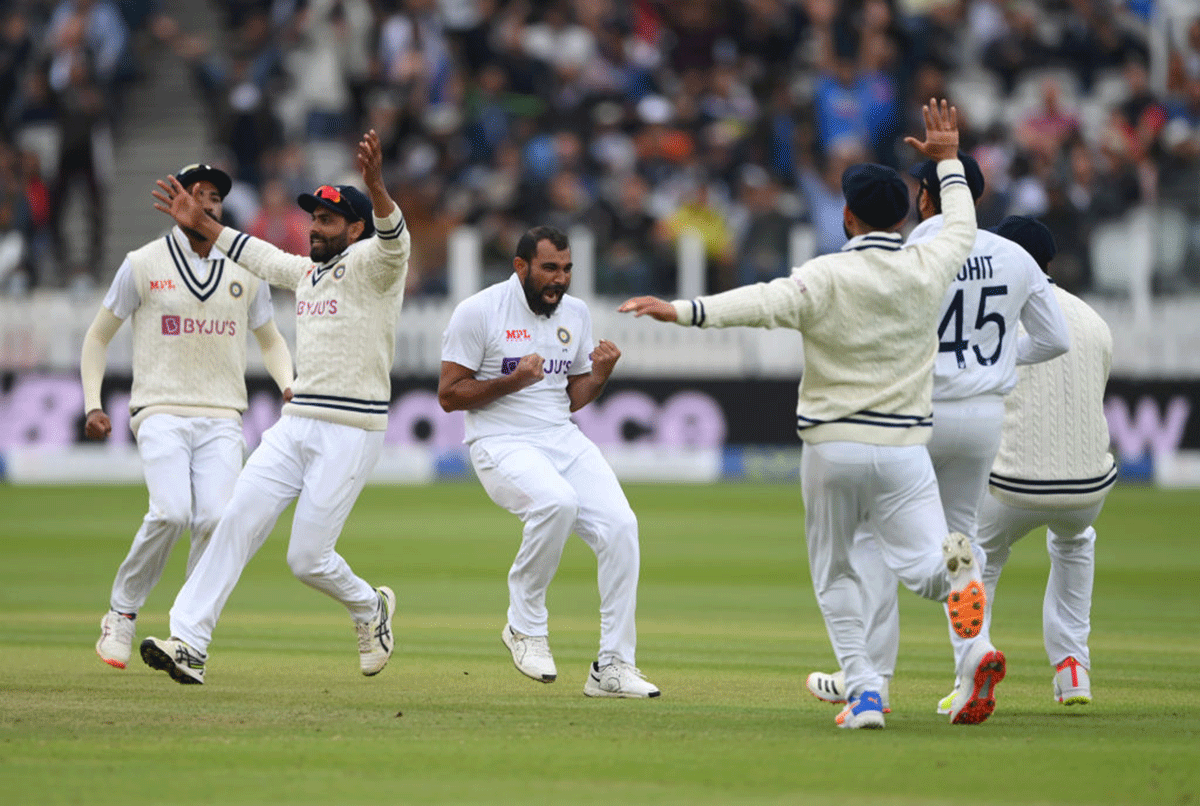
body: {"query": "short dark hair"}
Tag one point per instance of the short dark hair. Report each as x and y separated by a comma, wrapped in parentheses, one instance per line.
(529, 241)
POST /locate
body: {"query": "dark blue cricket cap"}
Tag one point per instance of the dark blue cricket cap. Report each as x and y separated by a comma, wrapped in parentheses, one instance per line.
(926, 172)
(876, 194)
(189, 175)
(1030, 234)
(345, 200)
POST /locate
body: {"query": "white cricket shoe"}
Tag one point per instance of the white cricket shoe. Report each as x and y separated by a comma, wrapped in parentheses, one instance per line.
(618, 679)
(967, 598)
(827, 687)
(117, 631)
(1072, 684)
(865, 711)
(975, 700)
(947, 702)
(530, 654)
(184, 664)
(375, 642)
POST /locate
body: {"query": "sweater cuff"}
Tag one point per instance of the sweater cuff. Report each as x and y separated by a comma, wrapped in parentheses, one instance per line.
(947, 169)
(689, 312)
(225, 241)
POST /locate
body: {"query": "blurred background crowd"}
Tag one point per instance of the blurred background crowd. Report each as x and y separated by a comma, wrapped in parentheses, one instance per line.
(639, 119)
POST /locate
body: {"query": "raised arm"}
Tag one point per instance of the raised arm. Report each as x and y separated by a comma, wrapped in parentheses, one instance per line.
(392, 241)
(946, 252)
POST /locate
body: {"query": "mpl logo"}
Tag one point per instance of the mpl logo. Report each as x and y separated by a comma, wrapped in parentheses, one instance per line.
(162, 285)
(517, 335)
(170, 325)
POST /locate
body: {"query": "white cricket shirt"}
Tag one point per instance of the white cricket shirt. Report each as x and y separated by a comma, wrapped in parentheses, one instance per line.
(998, 286)
(491, 330)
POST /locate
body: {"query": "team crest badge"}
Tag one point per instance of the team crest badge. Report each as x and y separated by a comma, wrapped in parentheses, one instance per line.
(339, 271)
(564, 335)
(235, 289)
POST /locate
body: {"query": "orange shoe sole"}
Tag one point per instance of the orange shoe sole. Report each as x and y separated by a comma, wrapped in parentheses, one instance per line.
(966, 609)
(982, 702)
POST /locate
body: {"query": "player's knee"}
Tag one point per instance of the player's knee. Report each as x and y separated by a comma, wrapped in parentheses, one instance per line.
(305, 563)
(170, 517)
(561, 503)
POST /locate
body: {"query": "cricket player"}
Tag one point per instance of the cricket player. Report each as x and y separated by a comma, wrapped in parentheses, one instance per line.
(998, 288)
(190, 309)
(869, 317)
(1054, 470)
(319, 454)
(518, 358)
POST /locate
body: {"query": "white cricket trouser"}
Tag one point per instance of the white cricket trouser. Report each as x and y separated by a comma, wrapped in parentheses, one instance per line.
(558, 482)
(321, 466)
(966, 437)
(893, 490)
(1071, 543)
(190, 465)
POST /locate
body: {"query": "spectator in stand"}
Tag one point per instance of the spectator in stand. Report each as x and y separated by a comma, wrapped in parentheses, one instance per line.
(1048, 129)
(1095, 39)
(699, 214)
(1018, 49)
(1142, 116)
(764, 228)
(13, 212)
(16, 52)
(103, 34)
(822, 189)
(630, 258)
(279, 221)
(84, 153)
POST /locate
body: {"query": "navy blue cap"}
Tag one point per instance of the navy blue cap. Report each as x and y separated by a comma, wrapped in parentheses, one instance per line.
(876, 194)
(1030, 234)
(189, 175)
(345, 200)
(927, 173)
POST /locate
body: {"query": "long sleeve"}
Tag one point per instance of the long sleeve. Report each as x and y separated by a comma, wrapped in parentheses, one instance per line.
(946, 252)
(391, 245)
(779, 303)
(1046, 334)
(93, 360)
(276, 356)
(262, 259)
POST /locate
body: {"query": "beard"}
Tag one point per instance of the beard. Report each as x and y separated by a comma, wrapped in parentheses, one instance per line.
(537, 303)
(195, 235)
(321, 250)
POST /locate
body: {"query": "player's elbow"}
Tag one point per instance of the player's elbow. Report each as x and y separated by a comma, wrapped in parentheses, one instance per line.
(447, 400)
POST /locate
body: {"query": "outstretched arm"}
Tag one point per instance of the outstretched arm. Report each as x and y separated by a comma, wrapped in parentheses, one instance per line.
(277, 267)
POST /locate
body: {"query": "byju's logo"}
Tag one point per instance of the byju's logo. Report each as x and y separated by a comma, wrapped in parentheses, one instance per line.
(507, 365)
(170, 325)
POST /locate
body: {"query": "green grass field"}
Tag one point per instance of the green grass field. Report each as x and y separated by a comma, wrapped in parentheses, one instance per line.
(728, 629)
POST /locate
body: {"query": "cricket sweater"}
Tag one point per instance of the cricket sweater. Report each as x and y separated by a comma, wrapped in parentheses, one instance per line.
(868, 315)
(346, 313)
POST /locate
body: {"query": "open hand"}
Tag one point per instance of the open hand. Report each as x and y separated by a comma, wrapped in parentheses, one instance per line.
(174, 199)
(657, 308)
(941, 131)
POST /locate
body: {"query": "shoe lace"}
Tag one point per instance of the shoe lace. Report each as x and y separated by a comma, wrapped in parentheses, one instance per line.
(374, 632)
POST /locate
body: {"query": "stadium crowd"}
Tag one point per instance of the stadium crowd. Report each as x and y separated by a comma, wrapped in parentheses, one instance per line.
(640, 119)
